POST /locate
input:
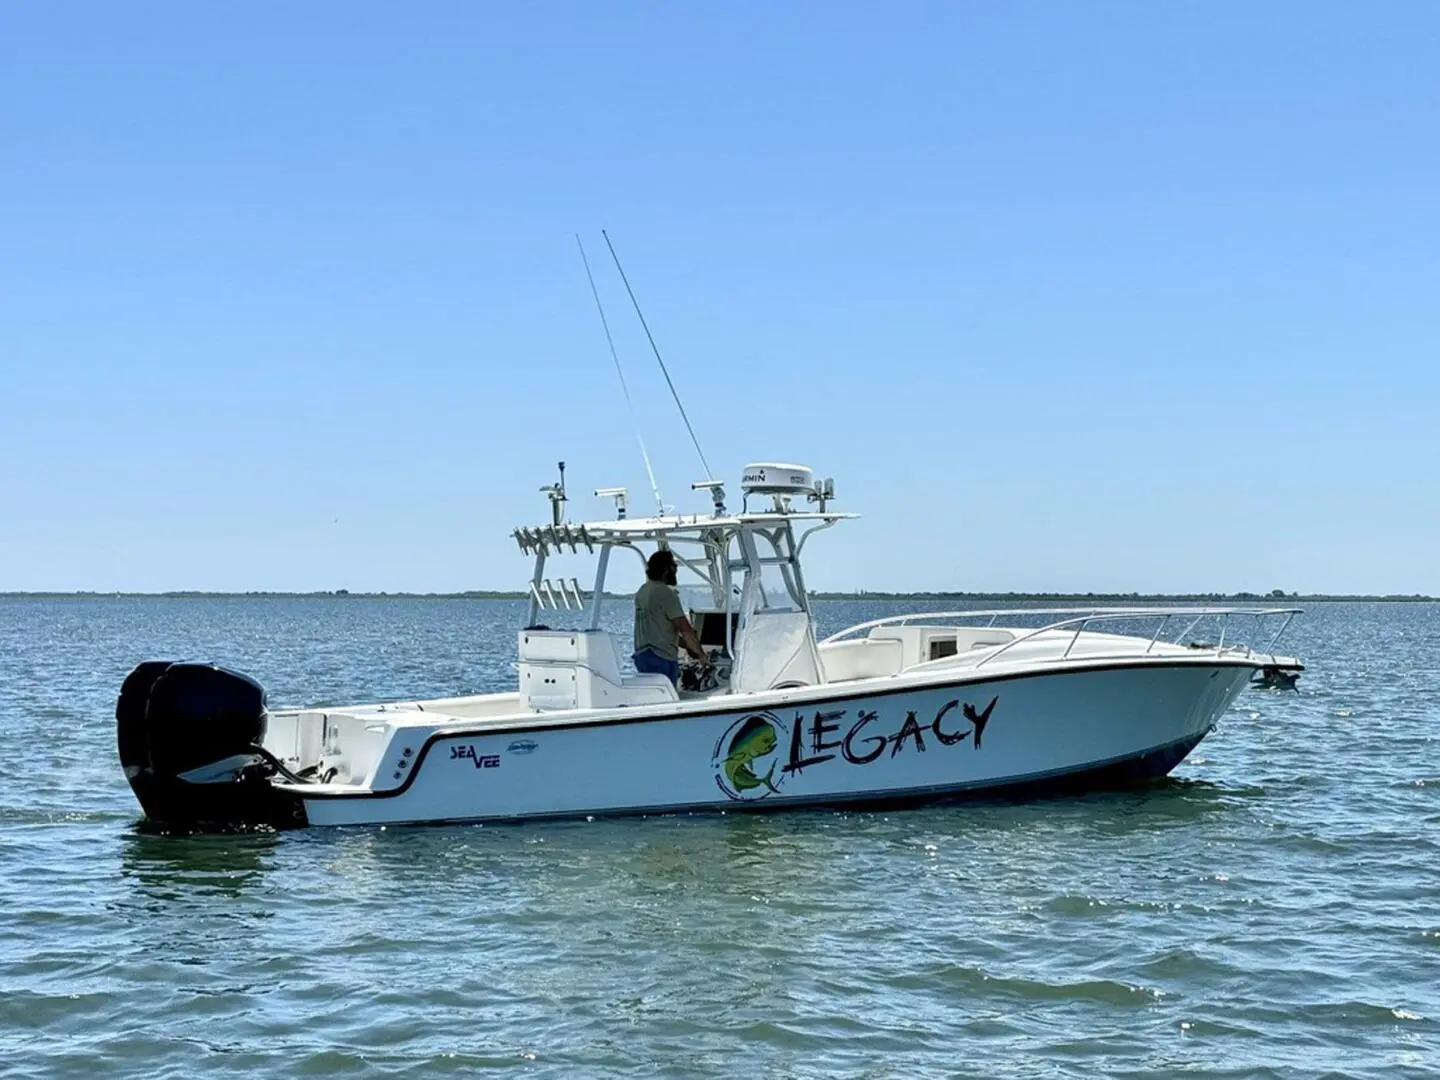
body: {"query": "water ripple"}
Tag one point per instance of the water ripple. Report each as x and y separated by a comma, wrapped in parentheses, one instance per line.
(1271, 911)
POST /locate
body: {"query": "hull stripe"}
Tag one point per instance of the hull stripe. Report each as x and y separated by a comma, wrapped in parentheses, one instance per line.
(528, 726)
(1113, 773)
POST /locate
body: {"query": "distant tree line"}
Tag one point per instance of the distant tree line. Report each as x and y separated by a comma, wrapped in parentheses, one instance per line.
(856, 594)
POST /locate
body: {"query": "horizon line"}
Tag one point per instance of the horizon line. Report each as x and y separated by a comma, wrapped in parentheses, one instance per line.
(816, 594)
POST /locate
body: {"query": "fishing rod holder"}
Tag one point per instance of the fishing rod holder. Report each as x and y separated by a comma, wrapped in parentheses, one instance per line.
(547, 538)
(545, 592)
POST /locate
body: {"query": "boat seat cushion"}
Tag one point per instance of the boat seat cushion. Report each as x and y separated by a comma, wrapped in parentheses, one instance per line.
(866, 658)
(647, 686)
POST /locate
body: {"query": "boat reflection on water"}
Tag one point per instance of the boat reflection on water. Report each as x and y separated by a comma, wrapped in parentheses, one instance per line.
(175, 868)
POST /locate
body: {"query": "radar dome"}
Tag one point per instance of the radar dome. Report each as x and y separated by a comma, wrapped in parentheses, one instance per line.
(773, 478)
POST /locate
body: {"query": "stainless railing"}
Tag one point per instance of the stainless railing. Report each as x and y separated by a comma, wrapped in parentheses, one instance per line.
(1081, 618)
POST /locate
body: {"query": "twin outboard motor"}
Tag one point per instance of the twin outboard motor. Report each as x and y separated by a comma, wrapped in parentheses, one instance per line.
(190, 740)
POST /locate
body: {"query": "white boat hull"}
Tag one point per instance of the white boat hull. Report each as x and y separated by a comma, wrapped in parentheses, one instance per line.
(1091, 727)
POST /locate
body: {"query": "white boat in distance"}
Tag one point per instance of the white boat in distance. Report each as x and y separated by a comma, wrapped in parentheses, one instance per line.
(911, 709)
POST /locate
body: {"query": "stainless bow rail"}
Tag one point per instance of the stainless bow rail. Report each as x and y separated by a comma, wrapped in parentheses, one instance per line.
(1081, 618)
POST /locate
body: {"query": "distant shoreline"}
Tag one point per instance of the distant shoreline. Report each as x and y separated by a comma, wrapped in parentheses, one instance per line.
(824, 597)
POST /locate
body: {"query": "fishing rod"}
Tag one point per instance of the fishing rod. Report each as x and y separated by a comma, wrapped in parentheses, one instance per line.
(654, 348)
(625, 389)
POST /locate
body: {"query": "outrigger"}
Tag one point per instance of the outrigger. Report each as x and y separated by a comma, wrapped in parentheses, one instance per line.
(908, 709)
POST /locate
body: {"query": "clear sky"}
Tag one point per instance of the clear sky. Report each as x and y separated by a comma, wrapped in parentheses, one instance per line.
(1101, 296)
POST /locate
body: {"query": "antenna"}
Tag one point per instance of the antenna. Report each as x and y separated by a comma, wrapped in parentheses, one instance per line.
(557, 496)
(644, 454)
(655, 348)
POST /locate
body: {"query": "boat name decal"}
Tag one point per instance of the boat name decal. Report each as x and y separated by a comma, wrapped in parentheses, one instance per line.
(748, 762)
(480, 761)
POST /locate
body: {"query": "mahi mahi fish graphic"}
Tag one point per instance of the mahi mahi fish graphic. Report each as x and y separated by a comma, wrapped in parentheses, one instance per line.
(755, 739)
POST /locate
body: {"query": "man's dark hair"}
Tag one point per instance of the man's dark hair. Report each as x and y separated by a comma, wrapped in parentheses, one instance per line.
(659, 565)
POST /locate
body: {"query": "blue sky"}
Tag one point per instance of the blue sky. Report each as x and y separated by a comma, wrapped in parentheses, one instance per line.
(1103, 296)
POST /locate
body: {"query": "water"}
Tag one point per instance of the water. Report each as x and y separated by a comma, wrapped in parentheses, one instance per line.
(1272, 911)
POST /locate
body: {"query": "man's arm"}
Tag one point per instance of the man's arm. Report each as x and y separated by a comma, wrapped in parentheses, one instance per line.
(688, 638)
(682, 625)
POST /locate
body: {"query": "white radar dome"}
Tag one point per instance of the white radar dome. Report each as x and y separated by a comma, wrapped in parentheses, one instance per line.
(772, 478)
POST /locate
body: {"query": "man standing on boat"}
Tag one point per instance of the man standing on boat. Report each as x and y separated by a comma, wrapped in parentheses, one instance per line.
(660, 622)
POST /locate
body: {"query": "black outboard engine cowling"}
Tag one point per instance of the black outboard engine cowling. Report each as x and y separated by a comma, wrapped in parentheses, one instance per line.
(190, 740)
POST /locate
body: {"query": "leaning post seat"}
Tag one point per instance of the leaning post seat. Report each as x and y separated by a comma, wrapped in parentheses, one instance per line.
(580, 669)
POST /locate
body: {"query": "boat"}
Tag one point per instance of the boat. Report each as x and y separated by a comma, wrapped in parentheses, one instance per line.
(909, 709)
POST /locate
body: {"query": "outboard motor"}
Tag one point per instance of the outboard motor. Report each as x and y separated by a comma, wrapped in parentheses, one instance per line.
(190, 740)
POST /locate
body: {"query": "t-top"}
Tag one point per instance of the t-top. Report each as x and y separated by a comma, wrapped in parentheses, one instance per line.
(657, 605)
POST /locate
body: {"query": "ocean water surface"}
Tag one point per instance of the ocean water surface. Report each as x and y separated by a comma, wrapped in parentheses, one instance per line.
(1272, 910)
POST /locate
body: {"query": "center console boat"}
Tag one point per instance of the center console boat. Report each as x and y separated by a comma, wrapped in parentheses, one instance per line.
(909, 709)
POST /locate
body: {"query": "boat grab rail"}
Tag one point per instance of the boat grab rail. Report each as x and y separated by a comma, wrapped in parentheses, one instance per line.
(1083, 617)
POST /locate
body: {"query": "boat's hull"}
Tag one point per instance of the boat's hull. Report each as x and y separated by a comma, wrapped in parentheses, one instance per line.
(1023, 733)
